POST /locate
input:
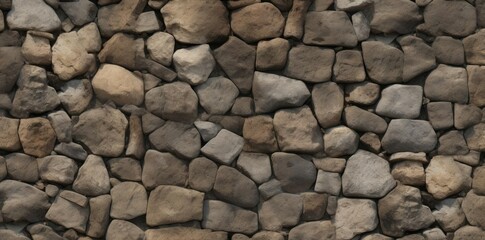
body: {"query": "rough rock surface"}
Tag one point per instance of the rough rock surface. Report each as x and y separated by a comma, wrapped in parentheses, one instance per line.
(405, 135)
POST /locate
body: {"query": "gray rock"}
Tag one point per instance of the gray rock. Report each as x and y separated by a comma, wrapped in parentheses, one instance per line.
(376, 236)
(270, 188)
(174, 101)
(434, 234)
(217, 95)
(99, 216)
(36, 136)
(57, 169)
(160, 47)
(409, 173)
(400, 101)
(314, 206)
(469, 232)
(297, 130)
(313, 231)
(349, 67)
(22, 202)
(61, 122)
(124, 50)
(272, 92)
(119, 17)
(151, 122)
(384, 66)
(69, 57)
(257, 22)
(40, 231)
(163, 169)
(351, 6)
(480, 6)
(475, 137)
(9, 138)
(78, 215)
(3, 168)
(243, 106)
(440, 114)
(72, 150)
(476, 85)
(136, 144)
(262, 235)
(367, 175)
(129, 200)
(75, 95)
(396, 16)
(295, 173)
(395, 209)
(202, 174)
(328, 182)
(418, 57)
(36, 49)
(365, 93)
(233, 187)
(362, 120)
(272, 54)
(22, 167)
(80, 12)
(444, 177)
(32, 15)
(448, 50)
(336, 165)
(296, 19)
(127, 169)
(460, 20)
(92, 178)
(447, 83)
(405, 135)
(282, 210)
(449, 214)
(361, 26)
(329, 28)
(257, 166)
(90, 37)
(10, 66)
(224, 147)
(472, 206)
(181, 139)
(183, 233)
(237, 59)
(196, 23)
(102, 130)
(226, 217)
(478, 183)
(259, 135)
(340, 140)
(452, 143)
(310, 63)
(194, 64)
(472, 158)
(124, 230)
(355, 216)
(207, 130)
(172, 204)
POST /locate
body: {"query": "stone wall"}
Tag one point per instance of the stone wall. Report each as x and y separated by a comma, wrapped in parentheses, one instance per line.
(242, 119)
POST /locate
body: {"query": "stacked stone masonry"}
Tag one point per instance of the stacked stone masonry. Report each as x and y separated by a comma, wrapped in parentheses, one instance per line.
(242, 119)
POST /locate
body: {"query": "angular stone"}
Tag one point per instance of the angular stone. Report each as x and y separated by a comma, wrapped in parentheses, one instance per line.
(314, 205)
(296, 19)
(476, 85)
(129, 200)
(282, 210)
(77, 218)
(272, 92)
(361, 26)
(469, 232)
(233, 187)
(117, 84)
(3, 168)
(310, 63)
(460, 20)
(125, 169)
(472, 158)
(297, 130)
(9, 138)
(473, 45)
(226, 217)
(178, 138)
(224, 147)
(207, 130)
(57, 169)
(349, 67)
(404, 135)
(409, 173)
(447, 83)
(449, 214)
(90, 37)
(355, 216)
(272, 54)
(80, 12)
(136, 144)
(371, 142)
(174, 101)
(362, 120)
(119, 17)
(76, 95)
(262, 235)
(475, 136)
(36, 136)
(367, 175)
(478, 180)
(92, 178)
(313, 231)
(40, 231)
(37, 50)
(452, 143)
(61, 122)
(440, 114)
(473, 205)
(171, 204)
(72, 150)
(257, 22)
(259, 135)
(160, 47)
(21, 167)
(237, 59)
(196, 22)
(328, 182)
(151, 122)
(217, 95)
(256, 165)
(243, 106)
(384, 66)
(329, 28)
(102, 130)
(22, 202)
(400, 101)
(185, 233)
(449, 50)
(194, 64)
(10, 66)
(147, 22)
(202, 174)
(418, 57)
(396, 16)
(124, 230)
(99, 216)
(365, 93)
(340, 140)
(234, 124)
(69, 57)
(295, 173)
(328, 103)
(402, 210)
(32, 15)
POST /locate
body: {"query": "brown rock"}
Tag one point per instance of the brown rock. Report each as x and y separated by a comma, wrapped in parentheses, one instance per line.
(119, 17)
(202, 174)
(185, 233)
(328, 103)
(9, 138)
(235, 188)
(418, 57)
(259, 135)
(219, 215)
(10, 65)
(272, 54)
(444, 177)
(475, 137)
(365, 93)
(329, 28)
(395, 16)
(295, 173)
(449, 50)
(460, 20)
(310, 63)
(122, 49)
(257, 22)
(384, 66)
(99, 216)
(476, 84)
(163, 169)
(37, 136)
(296, 19)
(349, 67)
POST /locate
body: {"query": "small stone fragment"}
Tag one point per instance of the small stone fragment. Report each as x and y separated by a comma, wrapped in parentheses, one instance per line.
(40, 231)
(314, 205)
(92, 178)
(329, 28)
(409, 173)
(147, 22)
(255, 165)
(119, 17)
(9, 138)
(163, 169)
(371, 142)
(328, 182)
(160, 47)
(76, 95)
(362, 120)
(452, 143)
(396, 16)
(296, 19)
(295, 173)
(99, 208)
(478, 180)
(270, 189)
(224, 147)
(72, 150)
(349, 67)
(476, 85)
(61, 122)
(475, 137)
(257, 22)
(181, 139)
(310, 63)
(449, 214)
(78, 215)
(80, 12)
(472, 206)
(365, 93)
(120, 229)
(10, 66)
(361, 26)
(336, 165)
(313, 231)
(136, 144)
(328, 102)
(37, 50)
(217, 95)
(125, 169)
(207, 130)
(418, 57)
(186, 233)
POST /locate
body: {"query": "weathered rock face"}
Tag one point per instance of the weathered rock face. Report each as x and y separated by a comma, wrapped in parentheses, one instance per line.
(22, 202)
(33, 15)
(295, 173)
(396, 16)
(444, 177)
(384, 66)
(400, 101)
(460, 20)
(257, 22)
(310, 64)
(404, 135)
(355, 216)
(226, 217)
(10, 66)
(92, 178)
(69, 56)
(232, 186)
(472, 205)
(329, 28)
